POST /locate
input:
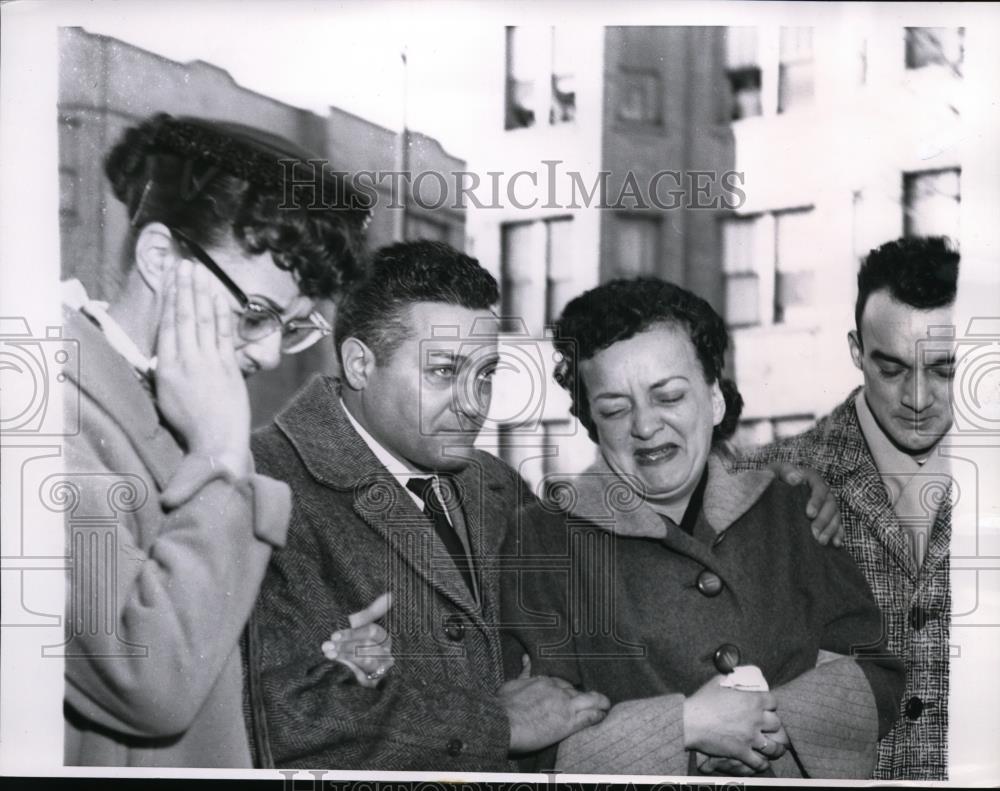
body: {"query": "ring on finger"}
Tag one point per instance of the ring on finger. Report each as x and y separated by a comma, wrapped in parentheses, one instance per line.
(377, 673)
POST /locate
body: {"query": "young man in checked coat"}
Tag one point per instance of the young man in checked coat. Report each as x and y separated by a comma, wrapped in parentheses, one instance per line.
(877, 452)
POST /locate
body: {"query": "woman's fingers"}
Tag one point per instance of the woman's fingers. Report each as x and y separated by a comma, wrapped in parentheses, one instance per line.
(204, 310)
(590, 700)
(224, 330)
(166, 341)
(770, 722)
(187, 334)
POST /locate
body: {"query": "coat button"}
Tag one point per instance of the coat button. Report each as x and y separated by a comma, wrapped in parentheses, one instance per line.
(727, 657)
(454, 629)
(455, 747)
(914, 708)
(919, 618)
(709, 583)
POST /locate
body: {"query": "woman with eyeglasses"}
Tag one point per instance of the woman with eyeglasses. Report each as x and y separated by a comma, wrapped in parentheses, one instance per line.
(226, 255)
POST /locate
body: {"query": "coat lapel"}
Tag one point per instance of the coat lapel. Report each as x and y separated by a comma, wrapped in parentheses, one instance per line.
(337, 457)
(610, 501)
(861, 485)
(108, 379)
(486, 504)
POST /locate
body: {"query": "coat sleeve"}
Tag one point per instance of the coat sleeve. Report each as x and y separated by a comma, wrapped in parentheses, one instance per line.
(643, 736)
(835, 713)
(316, 715)
(152, 622)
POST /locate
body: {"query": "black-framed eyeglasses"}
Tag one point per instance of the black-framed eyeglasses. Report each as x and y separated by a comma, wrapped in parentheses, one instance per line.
(258, 320)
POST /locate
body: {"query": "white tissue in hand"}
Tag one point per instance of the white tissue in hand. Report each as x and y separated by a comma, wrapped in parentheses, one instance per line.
(747, 678)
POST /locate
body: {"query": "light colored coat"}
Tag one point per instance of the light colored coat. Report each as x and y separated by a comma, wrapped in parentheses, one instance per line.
(167, 557)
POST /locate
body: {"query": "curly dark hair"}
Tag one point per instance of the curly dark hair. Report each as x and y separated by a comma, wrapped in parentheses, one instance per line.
(400, 275)
(920, 271)
(621, 309)
(210, 179)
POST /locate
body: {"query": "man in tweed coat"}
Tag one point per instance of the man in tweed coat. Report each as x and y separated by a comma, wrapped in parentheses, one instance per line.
(390, 495)
(877, 452)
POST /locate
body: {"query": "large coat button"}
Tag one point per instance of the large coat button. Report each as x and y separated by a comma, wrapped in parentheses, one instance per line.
(914, 708)
(454, 629)
(727, 658)
(455, 747)
(709, 583)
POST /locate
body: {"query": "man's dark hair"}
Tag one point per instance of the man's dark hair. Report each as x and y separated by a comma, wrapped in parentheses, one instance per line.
(621, 309)
(920, 271)
(374, 310)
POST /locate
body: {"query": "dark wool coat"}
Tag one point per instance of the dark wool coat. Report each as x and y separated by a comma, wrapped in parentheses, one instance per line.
(153, 662)
(916, 602)
(355, 533)
(650, 609)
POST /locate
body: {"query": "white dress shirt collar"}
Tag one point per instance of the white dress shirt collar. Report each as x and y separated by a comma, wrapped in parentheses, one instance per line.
(399, 469)
(74, 295)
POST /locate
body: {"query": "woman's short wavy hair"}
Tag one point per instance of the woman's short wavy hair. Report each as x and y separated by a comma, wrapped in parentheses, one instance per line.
(212, 180)
(621, 309)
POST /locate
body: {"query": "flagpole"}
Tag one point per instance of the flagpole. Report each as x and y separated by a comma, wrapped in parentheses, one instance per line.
(403, 157)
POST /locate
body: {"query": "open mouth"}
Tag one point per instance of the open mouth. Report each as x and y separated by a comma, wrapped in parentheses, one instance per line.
(657, 455)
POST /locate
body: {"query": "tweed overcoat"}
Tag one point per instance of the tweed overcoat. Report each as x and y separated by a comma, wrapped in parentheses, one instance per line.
(915, 602)
(641, 611)
(167, 555)
(355, 533)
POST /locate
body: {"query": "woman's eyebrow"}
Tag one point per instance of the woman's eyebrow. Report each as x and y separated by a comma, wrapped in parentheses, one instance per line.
(269, 302)
(610, 395)
(666, 381)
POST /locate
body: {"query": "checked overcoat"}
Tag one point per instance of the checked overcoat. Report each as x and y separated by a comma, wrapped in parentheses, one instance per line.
(915, 602)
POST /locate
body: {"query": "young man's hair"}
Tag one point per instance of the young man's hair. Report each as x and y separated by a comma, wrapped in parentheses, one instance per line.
(921, 272)
(375, 310)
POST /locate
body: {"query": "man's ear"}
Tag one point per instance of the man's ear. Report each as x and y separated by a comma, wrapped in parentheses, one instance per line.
(854, 342)
(357, 363)
(718, 404)
(156, 255)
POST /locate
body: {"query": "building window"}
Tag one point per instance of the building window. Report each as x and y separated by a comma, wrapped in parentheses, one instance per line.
(794, 241)
(637, 245)
(563, 106)
(520, 79)
(931, 203)
(536, 272)
(559, 283)
(795, 68)
(536, 57)
(935, 46)
(743, 72)
(640, 95)
(741, 272)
